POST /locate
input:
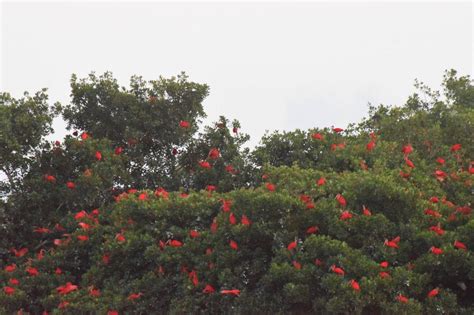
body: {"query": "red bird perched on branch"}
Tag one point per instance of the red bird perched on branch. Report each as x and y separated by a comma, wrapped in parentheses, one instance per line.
(134, 296)
(205, 164)
(392, 243)
(292, 245)
(245, 220)
(436, 250)
(19, 252)
(460, 245)
(232, 219)
(346, 215)
(366, 211)
(184, 124)
(214, 153)
(208, 289)
(67, 288)
(317, 136)
(409, 163)
(407, 149)
(384, 264)
(312, 230)
(231, 292)
(270, 187)
(355, 285)
(341, 200)
(402, 299)
(175, 243)
(433, 293)
(233, 245)
(370, 145)
(337, 270)
(321, 181)
(456, 147)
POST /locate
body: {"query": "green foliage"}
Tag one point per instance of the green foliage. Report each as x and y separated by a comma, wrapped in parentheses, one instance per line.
(125, 215)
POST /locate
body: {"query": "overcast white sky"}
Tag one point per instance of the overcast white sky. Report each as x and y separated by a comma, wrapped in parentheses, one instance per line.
(270, 65)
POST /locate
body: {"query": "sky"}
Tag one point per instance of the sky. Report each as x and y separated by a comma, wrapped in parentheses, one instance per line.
(271, 65)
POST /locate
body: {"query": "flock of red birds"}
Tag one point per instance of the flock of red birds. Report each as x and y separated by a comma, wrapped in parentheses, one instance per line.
(214, 154)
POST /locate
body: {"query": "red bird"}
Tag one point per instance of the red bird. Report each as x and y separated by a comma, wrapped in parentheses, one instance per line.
(292, 245)
(337, 270)
(19, 252)
(134, 296)
(456, 147)
(13, 281)
(370, 145)
(32, 271)
(392, 243)
(81, 214)
(42, 230)
(402, 299)
(67, 288)
(194, 278)
(211, 188)
(409, 163)
(226, 205)
(8, 290)
(433, 293)
(214, 225)
(205, 164)
(437, 229)
(346, 215)
(436, 250)
(194, 234)
(82, 238)
(118, 150)
(84, 226)
(432, 213)
(184, 124)
(214, 153)
(232, 219)
(175, 243)
(296, 264)
(231, 292)
(270, 187)
(317, 136)
(341, 200)
(407, 149)
(208, 289)
(460, 245)
(366, 211)
(70, 185)
(84, 136)
(233, 245)
(94, 292)
(50, 178)
(355, 285)
(120, 238)
(245, 220)
(312, 230)
(434, 199)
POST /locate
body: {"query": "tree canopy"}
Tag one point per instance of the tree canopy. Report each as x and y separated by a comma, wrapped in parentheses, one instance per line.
(140, 209)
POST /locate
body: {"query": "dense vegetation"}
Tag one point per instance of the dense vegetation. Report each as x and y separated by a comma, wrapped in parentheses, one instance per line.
(138, 212)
